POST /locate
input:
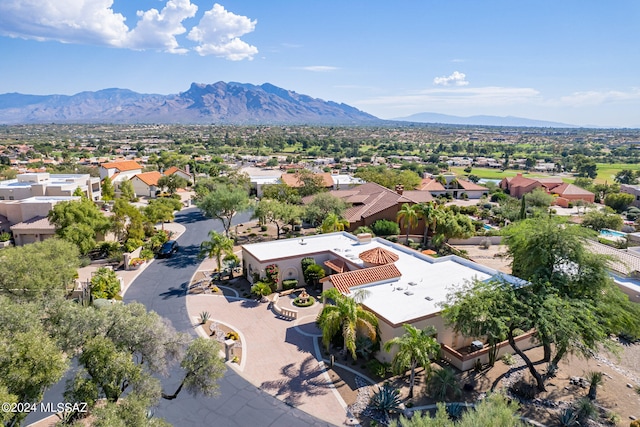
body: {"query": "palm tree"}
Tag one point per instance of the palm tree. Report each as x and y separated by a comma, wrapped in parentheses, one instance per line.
(431, 214)
(333, 223)
(345, 314)
(217, 246)
(415, 348)
(443, 383)
(408, 216)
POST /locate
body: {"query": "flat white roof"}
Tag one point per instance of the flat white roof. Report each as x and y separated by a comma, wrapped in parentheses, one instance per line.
(424, 283)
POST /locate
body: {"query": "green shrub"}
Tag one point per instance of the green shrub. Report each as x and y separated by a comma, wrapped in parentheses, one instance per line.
(508, 359)
(310, 301)
(378, 368)
(132, 244)
(263, 228)
(5, 237)
(289, 284)
(146, 254)
(383, 227)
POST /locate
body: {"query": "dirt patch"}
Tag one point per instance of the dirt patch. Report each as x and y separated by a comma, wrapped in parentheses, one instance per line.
(617, 394)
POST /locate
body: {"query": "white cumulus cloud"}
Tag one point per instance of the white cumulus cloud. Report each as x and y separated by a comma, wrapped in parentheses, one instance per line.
(68, 21)
(158, 30)
(455, 79)
(219, 31)
(94, 22)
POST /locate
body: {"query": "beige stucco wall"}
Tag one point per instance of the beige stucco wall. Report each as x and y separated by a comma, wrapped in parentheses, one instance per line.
(289, 268)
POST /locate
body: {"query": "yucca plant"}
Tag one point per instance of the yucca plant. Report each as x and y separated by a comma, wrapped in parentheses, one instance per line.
(595, 379)
(386, 399)
(204, 316)
(585, 410)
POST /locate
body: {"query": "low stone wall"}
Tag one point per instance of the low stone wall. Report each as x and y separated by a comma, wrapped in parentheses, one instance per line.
(467, 361)
(128, 256)
(282, 311)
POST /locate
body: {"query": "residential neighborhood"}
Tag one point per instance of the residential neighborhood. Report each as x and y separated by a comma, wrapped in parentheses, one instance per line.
(267, 254)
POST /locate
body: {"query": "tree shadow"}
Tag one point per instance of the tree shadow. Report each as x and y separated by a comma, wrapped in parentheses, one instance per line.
(299, 382)
(175, 292)
(187, 256)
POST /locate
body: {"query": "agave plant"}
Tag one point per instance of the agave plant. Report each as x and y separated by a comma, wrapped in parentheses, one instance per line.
(204, 316)
(386, 399)
(568, 418)
(455, 410)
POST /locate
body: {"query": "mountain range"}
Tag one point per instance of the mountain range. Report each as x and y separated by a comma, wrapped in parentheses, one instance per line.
(481, 120)
(218, 103)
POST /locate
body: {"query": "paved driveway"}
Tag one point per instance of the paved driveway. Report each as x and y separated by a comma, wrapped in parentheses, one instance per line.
(162, 288)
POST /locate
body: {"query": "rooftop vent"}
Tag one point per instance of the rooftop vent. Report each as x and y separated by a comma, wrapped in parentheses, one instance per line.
(412, 283)
(428, 298)
(408, 293)
(364, 238)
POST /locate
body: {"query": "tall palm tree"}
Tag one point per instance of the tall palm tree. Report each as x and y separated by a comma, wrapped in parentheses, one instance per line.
(431, 214)
(334, 222)
(408, 216)
(217, 246)
(415, 348)
(345, 314)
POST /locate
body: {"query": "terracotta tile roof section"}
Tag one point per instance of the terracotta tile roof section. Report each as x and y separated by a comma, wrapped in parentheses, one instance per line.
(293, 179)
(368, 199)
(418, 196)
(430, 184)
(378, 256)
(174, 169)
(337, 265)
(38, 222)
(520, 181)
(122, 166)
(623, 262)
(149, 178)
(570, 189)
(468, 185)
(344, 281)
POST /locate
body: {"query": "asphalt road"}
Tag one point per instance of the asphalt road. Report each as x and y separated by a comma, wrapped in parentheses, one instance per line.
(162, 287)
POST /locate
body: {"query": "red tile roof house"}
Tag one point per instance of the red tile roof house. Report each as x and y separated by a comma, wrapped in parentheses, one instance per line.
(146, 184)
(174, 170)
(370, 202)
(119, 171)
(457, 187)
(404, 286)
(293, 180)
(518, 185)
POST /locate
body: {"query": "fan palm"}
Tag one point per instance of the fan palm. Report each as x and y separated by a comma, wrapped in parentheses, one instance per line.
(415, 348)
(408, 216)
(345, 314)
(217, 246)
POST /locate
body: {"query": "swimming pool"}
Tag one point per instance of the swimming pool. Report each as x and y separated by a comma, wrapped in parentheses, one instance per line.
(612, 233)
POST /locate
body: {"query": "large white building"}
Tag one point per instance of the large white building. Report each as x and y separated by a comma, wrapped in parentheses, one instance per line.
(41, 184)
(404, 286)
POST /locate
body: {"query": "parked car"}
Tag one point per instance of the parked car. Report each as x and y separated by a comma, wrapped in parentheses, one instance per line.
(168, 249)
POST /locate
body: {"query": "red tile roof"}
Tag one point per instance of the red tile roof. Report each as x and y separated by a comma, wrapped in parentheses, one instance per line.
(379, 256)
(124, 165)
(174, 169)
(337, 265)
(149, 178)
(430, 184)
(293, 179)
(344, 281)
(570, 189)
(468, 185)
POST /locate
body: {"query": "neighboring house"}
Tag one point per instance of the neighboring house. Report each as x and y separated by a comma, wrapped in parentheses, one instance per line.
(293, 180)
(174, 170)
(404, 286)
(370, 202)
(453, 185)
(119, 171)
(634, 190)
(41, 184)
(34, 230)
(518, 185)
(146, 184)
(569, 193)
(625, 266)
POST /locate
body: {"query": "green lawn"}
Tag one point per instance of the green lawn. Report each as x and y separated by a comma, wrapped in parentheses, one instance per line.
(607, 171)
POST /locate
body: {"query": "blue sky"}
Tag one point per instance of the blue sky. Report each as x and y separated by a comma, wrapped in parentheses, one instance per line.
(575, 62)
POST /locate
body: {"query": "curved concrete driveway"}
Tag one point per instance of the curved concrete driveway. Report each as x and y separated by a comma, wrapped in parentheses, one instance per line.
(162, 287)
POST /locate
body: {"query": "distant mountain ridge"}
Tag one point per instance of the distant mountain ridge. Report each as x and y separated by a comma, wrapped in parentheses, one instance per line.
(481, 120)
(218, 103)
